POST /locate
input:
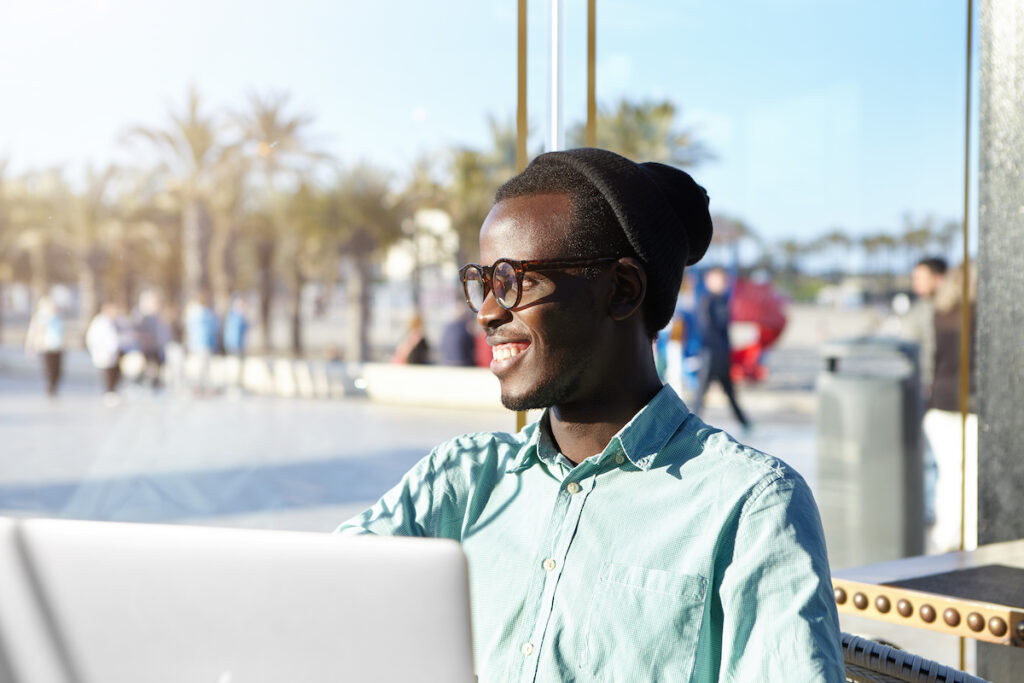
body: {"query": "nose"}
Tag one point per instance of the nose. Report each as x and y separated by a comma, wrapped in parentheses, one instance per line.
(491, 314)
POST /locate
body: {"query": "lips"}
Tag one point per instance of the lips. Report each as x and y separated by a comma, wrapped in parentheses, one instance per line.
(507, 354)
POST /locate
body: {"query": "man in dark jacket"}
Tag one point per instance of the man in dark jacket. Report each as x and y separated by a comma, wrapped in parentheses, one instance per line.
(716, 352)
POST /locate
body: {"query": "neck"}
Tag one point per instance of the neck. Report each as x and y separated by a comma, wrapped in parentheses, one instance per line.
(583, 428)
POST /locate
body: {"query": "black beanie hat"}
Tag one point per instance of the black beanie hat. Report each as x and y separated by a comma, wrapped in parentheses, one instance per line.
(662, 211)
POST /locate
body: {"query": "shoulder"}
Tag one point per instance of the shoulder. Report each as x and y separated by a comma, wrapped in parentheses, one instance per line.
(740, 471)
(478, 451)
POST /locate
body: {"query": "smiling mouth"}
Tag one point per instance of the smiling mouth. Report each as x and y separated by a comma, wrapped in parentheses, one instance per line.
(504, 355)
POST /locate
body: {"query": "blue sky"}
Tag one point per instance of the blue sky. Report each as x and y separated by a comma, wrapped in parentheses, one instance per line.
(822, 113)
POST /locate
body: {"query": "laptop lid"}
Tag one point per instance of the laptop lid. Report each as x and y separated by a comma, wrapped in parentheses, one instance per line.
(136, 602)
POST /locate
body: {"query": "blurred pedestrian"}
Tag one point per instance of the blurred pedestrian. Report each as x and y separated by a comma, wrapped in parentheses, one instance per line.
(152, 334)
(458, 347)
(942, 421)
(413, 349)
(716, 351)
(236, 327)
(919, 322)
(45, 337)
(103, 341)
(201, 332)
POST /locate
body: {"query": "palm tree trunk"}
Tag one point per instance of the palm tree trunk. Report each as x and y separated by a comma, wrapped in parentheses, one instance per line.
(357, 330)
(89, 279)
(298, 281)
(196, 231)
(265, 258)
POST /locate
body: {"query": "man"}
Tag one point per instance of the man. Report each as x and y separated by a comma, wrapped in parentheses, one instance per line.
(619, 537)
(715, 349)
(925, 279)
(458, 347)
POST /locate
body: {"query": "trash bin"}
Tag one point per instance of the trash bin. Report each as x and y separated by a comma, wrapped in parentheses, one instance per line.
(870, 473)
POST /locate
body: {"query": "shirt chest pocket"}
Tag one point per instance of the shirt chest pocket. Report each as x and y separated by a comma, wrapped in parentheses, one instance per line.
(643, 625)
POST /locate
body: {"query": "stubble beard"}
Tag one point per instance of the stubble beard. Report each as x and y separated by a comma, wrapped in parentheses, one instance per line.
(557, 389)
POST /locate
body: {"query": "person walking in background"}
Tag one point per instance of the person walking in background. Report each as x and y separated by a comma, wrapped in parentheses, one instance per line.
(458, 347)
(45, 337)
(152, 334)
(919, 324)
(236, 326)
(942, 420)
(201, 332)
(716, 351)
(413, 349)
(103, 341)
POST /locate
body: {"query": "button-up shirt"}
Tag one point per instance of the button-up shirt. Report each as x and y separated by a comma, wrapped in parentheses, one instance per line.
(676, 554)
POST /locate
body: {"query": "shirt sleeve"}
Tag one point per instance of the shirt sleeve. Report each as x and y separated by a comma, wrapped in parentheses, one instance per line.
(428, 501)
(778, 612)
(403, 510)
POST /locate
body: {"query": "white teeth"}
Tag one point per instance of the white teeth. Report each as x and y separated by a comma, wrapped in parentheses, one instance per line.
(504, 352)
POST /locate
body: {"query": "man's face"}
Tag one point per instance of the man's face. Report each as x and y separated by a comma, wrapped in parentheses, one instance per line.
(923, 281)
(552, 348)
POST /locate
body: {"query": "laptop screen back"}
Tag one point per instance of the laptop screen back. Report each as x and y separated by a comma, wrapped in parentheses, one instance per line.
(127, 603)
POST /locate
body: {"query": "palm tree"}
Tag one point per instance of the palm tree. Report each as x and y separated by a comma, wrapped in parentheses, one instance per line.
(91, 214)
(7, 237)
(43, 213)
(423, 191)
(645, 131)
(917, 236)
(364, 216)
(190, 150)
(275, 144)
(471, 186)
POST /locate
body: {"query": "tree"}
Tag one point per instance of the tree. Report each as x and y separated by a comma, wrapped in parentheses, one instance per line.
(280, 157)
(644, 131)
(190, 150)
(7, 236)
(473, 178)
(91, 214)
(42, 212)
(423, 191)
(365, 216)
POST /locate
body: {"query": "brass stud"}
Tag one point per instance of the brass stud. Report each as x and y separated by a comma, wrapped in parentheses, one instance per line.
(860, 601)
(951, 617)
(997, 626)
(927, 613)
(882, 604)
(975, 622)
(1020, 629)
(904, 608)
(840, 596)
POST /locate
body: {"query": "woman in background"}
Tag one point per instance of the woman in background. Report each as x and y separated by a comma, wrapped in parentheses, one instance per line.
(46, 337)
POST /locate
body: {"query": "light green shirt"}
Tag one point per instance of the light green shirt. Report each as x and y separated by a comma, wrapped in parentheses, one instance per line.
(677, 554)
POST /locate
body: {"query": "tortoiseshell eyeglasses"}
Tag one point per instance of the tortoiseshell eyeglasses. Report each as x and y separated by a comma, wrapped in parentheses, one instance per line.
(505, 278)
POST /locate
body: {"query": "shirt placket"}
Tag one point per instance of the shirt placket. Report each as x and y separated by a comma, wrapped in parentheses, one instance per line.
(565, 517)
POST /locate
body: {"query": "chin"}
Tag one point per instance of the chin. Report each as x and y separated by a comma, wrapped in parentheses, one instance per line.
(522, 402)
(542, 396)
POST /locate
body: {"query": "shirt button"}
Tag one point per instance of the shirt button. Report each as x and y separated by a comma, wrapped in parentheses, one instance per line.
(527, 649)
(549, 564)
(572, 487)
(619, 459)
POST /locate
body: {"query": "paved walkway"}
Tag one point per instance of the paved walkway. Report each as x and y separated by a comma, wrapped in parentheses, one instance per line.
(296, 464)
(255, 462)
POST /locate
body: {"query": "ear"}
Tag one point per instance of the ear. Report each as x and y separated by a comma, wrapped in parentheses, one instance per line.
(629, 286)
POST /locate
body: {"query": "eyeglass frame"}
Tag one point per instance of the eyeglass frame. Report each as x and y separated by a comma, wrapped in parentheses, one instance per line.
(521, 268)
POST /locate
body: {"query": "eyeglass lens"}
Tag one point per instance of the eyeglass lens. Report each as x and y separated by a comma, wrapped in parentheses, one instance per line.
(476, 290)
(504, 285)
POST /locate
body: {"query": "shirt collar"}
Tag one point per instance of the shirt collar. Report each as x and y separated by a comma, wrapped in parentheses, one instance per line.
(641, 439)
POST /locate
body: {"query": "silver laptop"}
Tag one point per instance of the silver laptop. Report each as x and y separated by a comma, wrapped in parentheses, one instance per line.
(100, 602)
